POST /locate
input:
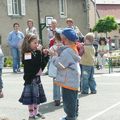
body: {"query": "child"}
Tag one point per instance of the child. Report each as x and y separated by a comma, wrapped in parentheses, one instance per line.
(53, 49)
(87, 65)
(1, 66)
(103, 49)
(33, 61)
(68, 73)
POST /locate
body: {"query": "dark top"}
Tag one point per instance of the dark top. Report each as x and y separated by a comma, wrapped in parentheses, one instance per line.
(33, 65)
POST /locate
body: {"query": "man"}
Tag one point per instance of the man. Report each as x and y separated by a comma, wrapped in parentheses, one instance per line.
(15, 39)
(51, 32)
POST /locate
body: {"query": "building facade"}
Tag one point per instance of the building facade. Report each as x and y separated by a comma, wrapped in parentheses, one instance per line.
(21, 10)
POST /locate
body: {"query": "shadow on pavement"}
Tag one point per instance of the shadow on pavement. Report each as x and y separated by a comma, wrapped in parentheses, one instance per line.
(49, 107)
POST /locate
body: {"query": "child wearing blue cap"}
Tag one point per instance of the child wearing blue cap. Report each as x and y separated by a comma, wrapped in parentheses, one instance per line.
(68, 73)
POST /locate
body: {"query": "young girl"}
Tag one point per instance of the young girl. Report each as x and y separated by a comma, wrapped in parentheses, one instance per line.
(53, 49)
(103, 48)
(34, 62)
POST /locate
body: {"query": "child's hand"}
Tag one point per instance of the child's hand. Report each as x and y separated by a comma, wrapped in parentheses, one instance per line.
(39, 47)
(45, 51)
(52, 53)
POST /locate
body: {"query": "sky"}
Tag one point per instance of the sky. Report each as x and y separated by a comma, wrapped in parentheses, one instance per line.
(108, 1)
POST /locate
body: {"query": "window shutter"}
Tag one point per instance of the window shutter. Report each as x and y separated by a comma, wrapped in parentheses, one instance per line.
(9, 6)
(23, 7)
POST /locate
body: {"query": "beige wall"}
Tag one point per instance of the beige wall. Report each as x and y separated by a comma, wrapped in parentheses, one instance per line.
(6, 22)
(92, 13)
(47, 8)
(74, 10)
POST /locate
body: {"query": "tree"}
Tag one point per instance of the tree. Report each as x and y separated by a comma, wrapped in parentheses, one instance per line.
(106, 24)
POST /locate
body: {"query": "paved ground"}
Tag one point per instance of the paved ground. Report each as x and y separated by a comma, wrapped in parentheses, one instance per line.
(105, 105)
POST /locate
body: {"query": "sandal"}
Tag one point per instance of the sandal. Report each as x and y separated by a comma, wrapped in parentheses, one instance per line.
(40, 115)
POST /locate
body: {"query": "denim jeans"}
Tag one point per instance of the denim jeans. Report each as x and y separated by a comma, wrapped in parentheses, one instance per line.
(70, 103)
(1, 83)
(87, 79)
(56, 91)
(16, 58)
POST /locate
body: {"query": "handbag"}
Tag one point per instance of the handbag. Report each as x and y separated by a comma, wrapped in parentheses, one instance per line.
(52, 69)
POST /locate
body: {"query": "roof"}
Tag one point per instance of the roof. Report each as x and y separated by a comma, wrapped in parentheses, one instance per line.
(107, 1)
(111, 9)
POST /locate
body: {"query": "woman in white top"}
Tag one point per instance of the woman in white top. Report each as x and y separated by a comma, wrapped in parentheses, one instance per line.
(103, 49)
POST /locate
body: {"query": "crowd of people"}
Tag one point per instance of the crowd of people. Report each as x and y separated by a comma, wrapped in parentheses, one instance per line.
(70, 60)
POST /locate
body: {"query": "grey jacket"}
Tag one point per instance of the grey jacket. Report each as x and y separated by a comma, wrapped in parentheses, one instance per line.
(68, 69)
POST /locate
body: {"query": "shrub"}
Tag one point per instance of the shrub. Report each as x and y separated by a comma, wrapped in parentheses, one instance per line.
(8, 62)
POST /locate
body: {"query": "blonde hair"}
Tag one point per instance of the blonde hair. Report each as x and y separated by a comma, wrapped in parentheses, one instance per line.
(90, 37)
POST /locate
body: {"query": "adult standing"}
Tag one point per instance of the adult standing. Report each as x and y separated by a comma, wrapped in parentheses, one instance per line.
(15, 38)
(70, 24)
(51, 31)
(31, 29)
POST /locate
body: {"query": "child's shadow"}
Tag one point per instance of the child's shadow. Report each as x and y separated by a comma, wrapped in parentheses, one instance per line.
(49, 107)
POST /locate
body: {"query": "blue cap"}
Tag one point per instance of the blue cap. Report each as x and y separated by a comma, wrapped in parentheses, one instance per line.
(70, 34)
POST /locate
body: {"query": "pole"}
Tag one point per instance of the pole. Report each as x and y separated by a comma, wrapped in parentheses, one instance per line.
(95, 11)
(38, 9)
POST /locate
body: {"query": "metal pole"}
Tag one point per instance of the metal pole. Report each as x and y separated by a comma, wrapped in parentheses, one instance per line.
(38, 9)
(95, 11)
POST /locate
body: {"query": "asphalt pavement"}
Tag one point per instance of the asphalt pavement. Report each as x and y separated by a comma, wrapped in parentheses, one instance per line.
(105, 105)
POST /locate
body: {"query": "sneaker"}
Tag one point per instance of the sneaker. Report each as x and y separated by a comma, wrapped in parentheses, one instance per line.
(93, 92)
(46, 73)
(63, 118)
(18, 70)
(84, 92)
(33, 117)
(1, 94)
(57, 102)
(14, 71)
(40, 115)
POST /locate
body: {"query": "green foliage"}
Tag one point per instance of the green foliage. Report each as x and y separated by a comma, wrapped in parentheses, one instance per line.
(8, 62)
(106, 24)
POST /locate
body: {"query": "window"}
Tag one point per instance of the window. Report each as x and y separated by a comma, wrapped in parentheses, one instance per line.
(63, 8)
(16, 7)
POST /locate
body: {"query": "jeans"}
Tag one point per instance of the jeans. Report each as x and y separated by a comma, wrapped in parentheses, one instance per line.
(70, 103)
(1, 83)
(16, 58)
(56, 91)
(87, 79)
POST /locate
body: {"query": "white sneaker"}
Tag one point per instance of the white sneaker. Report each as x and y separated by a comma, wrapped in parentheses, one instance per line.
(63, 118)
